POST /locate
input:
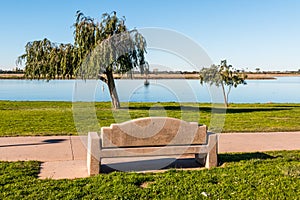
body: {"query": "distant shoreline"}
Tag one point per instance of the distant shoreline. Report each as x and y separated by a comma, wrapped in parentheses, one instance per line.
(250, 76)
(262, 76)
(12, 76)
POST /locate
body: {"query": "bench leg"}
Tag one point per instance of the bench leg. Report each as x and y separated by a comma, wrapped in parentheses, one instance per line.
(93, 156)
(212, 157)
(93, 166)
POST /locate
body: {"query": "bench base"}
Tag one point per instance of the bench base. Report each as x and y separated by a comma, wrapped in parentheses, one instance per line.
(204, 154)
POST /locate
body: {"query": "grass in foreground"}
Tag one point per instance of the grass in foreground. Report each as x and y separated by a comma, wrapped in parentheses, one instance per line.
(56, 118)
(270, 175)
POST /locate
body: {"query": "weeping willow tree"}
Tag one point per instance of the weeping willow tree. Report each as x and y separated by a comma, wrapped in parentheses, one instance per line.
(100, 49)
(107, 47)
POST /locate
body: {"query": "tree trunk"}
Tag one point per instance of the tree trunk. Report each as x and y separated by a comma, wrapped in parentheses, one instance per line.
(227, 96)
(112, 90)
(224, 95)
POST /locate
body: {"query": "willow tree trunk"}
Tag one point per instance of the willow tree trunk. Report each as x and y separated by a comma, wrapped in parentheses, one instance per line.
(112, 90)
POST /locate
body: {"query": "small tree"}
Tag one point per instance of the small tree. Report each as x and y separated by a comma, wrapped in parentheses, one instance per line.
(222, 75)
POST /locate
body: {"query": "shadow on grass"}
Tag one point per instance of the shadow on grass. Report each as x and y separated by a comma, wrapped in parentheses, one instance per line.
(180, 163)
(248, 110)
(151, 165)
(209, 109)
(286, 105)
(242, 156)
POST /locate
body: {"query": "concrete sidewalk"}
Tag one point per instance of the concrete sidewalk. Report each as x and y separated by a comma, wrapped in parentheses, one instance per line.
(65, 156)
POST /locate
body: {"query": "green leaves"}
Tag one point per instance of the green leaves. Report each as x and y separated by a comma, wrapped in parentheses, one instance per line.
(47, 60)
(211, 75)
(107, 46)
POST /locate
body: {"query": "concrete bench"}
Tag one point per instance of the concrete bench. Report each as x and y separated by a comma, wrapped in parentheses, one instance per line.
(149, 137)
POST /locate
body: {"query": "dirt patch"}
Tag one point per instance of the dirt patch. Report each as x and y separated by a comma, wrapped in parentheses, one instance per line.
(146, 184)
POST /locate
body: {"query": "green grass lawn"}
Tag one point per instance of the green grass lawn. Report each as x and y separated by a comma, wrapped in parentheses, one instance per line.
(56, 118)
(269, 175)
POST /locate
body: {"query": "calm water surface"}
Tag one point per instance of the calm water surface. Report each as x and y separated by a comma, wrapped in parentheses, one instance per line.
(281, 90)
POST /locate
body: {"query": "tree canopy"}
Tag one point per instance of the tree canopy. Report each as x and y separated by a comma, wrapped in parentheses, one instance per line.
(47, 60)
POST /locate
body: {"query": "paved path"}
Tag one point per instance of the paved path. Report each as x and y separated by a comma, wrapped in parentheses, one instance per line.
(64, 156)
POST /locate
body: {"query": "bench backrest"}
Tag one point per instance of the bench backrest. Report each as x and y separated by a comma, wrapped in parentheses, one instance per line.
(153, 131)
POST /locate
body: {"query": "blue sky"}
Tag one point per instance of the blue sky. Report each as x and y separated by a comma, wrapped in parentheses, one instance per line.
(248, 33)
